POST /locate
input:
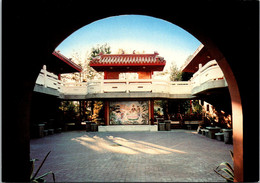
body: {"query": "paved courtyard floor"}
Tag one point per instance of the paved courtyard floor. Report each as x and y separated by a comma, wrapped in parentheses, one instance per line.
(167, 156)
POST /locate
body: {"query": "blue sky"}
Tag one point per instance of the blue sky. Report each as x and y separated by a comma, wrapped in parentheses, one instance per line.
(133, 32)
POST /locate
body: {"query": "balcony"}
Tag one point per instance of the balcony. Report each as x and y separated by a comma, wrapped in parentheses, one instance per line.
(148, 88)
(208, 77)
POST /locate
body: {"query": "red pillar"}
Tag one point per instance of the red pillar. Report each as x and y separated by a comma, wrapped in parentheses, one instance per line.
(105, 75)
(106, 112)
(152, 111)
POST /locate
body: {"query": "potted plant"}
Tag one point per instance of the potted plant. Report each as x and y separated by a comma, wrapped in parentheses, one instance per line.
(40, 178)
(227, 172)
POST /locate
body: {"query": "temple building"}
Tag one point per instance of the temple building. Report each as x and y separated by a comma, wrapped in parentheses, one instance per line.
(131, 110)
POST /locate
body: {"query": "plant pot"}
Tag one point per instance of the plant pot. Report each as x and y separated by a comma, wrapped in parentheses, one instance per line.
(228, 136)
(39, 130)
(94, 127)
(206, 132)
(167, 125)
(88, 126)
(161, 127)
(45, 132)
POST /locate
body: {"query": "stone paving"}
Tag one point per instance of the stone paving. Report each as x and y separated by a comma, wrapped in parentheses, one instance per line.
(164, 156)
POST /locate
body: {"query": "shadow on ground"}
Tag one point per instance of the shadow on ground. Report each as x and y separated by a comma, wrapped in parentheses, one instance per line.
(170, 156)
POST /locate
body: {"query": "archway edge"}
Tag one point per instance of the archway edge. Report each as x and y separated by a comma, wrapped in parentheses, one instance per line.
(237, 112)
(232, 26)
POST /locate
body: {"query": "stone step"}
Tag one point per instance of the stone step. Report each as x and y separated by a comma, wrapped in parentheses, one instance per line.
(127, 128)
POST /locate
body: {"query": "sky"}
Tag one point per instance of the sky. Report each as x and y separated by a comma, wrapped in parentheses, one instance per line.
(133, 32)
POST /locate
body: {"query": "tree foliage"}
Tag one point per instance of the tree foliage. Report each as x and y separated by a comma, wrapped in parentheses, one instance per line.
(70, 110)
(175, 73)
(88, 72)
(95, 51)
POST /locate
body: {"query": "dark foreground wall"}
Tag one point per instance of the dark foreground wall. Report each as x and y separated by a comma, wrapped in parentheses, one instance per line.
(32, 30)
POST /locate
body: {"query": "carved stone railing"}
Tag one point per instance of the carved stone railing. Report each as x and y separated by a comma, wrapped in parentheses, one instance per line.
(209, 72)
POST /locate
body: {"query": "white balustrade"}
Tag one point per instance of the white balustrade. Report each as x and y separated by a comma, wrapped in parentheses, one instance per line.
(180, 87)
(160, 86)
(149, 85)
(94, 87)
(48, 79)
(40, 79)
(210, 71)
(109, 87)
(140, 87)
(75, 88)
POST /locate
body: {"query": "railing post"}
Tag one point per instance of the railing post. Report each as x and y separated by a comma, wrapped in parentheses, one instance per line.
(101, 86)
(200, 66)
(127, 86)
(44, 76)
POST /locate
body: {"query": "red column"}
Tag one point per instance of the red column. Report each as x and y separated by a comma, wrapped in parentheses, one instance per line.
(106, 112)
(152, 111)
(105, 75)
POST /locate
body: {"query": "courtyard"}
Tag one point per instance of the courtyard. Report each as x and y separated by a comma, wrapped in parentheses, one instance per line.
(163, 156)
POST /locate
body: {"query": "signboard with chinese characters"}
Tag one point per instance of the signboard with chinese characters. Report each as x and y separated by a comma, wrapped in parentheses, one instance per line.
(129, 113)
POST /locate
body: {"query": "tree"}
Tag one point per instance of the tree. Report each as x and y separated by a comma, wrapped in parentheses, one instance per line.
(88, 73)
(95, 51)
(175, 73)
(70, 110)
(187, 75)
(75, 77)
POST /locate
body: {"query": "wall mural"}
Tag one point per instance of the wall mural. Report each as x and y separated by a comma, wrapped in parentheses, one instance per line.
(129, 113)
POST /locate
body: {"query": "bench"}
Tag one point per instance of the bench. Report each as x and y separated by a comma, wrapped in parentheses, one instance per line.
(192, 124)
(176, 124)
